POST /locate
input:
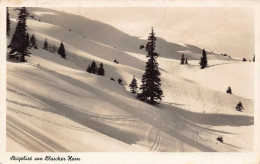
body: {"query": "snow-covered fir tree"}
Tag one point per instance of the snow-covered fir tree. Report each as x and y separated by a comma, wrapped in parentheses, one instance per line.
(101, 70)
(229, 90)
(203, 60)
(150, 89)
(61, 50)
(19, 44)
(92, 68)
(88, 69)
(33, 41)
(186, 61)
(45, 44)
(133, 86)
(182, 59)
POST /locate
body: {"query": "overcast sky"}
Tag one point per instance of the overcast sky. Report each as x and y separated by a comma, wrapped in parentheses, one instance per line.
(223, 30)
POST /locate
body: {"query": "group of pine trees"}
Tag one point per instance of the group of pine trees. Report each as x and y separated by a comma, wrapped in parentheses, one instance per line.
(184, 60)
(244, 59)
(21, 43)
(92, 68)
(53, 49)
(150, 89)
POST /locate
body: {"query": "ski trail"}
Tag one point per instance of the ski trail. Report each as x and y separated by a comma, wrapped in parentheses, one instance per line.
(198, 135)
(218, 103)
(29, 135)
(156, 142)
(115, 119)
(179, 145)
(200, 98)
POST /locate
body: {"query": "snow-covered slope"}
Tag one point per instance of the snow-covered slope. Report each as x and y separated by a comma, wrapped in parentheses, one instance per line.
(53, 104)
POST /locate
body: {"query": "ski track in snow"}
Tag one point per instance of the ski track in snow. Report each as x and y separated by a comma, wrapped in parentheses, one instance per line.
(156, 143)
(197, 135)
(202, 136)
(217, 100)
(115, 119)
(33, 139)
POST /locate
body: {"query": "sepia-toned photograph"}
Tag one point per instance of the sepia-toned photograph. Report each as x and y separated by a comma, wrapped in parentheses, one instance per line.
(130, 79)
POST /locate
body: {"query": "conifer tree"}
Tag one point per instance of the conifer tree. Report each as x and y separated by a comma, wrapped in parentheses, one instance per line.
(100, 70)
(186, 61)
(182, 59)
(20, 42)
(45, 45)
(33, 41)
(27, 39)
(88, 69)
(7, 22)
(151, 82)
(229, 90)
(254, 59)
(133, 86)
(61, 50)
(203, 60)
(92, 68)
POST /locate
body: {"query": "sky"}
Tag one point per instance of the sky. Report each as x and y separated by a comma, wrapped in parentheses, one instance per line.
(222, 30)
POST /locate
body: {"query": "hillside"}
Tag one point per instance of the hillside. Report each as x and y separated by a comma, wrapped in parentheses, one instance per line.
(53, 104)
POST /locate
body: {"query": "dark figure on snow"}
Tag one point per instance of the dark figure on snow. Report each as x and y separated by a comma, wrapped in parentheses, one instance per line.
(220, 139)
(116, 61)
(120, 81)
(239, 106)
(141, 46)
